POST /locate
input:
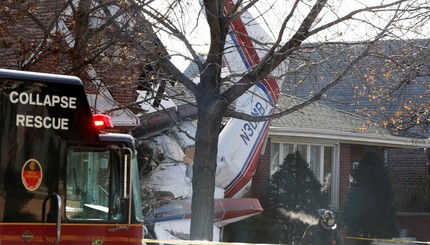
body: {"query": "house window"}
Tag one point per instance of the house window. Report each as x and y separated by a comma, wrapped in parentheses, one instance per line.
(321, 160)
(276, 150)
(274, 157)
(315, 160)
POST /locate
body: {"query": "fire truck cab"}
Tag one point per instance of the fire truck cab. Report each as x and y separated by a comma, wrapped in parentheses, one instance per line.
(62, 181)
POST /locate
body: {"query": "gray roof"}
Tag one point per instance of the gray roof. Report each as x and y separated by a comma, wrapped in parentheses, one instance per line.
(353, 105)
(318, 121)
(389, 62)
(320, 117)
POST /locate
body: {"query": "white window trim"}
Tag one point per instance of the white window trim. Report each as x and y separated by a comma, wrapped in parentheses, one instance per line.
(335, 168)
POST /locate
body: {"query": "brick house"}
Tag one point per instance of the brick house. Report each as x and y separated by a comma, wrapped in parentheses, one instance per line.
(46, 36)
(333, 124)
(334, 131)
(333, 141)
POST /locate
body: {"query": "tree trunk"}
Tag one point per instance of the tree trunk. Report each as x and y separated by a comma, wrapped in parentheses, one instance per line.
(204, 168)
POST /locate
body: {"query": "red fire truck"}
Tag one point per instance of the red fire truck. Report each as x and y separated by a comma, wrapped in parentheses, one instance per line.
(63, 181)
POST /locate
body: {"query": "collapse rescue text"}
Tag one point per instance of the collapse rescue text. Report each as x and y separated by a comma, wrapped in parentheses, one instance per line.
(37, 121)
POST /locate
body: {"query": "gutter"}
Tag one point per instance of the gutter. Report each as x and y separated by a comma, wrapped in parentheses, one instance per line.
(351, 137)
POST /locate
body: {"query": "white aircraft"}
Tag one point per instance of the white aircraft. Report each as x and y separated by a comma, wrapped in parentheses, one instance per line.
(167, 152)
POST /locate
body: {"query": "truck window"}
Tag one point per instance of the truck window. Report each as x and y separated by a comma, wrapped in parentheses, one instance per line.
(94, 186)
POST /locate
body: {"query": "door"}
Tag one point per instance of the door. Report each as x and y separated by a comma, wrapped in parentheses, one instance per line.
(95, 203)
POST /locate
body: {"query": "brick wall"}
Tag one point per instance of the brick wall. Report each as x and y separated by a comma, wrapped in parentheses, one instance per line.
(118, 68)
(408, 170)
(349, 154)
(21, 35)
(416, 225)
(345, 170)
(261, 179)
(406, 166)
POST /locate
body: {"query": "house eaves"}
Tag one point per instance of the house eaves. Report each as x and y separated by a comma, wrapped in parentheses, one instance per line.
(325, 123)
(350, 137)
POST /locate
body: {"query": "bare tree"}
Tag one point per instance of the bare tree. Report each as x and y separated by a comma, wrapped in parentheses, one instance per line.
(125, 41)
(301, 21)
(93, 40)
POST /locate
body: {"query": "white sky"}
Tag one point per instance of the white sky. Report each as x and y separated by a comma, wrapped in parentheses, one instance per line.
(270, 14)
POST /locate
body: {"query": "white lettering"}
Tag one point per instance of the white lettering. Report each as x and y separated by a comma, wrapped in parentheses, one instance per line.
(72, 102)
(31, 121)
(23, 98)
(20, 119)
(64, 102)
(55, 99)
(249, 128)
(47, 101)
(38, 123)
(64, 124)
(13, 97)
(31, 99)
(37, 100)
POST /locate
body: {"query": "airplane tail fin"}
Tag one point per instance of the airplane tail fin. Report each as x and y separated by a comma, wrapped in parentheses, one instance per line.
(241, 142)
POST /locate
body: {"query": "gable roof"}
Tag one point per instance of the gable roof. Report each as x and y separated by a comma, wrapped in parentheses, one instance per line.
(335, 117)
(314, 66)
(321, 117)
(323, 122)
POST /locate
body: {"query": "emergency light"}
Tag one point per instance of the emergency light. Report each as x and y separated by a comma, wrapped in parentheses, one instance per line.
(102, 122)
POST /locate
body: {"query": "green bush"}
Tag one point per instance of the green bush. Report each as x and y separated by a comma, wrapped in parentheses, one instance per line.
(370, 209)
(294, 189)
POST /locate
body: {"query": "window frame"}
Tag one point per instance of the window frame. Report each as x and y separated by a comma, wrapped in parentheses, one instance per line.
(114, 178)
(334, 199)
